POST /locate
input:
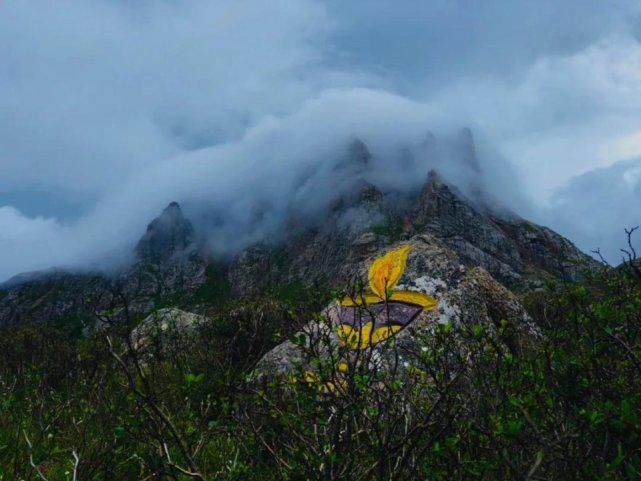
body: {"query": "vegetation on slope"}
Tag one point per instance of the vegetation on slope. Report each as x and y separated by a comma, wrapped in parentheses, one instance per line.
(90, 407)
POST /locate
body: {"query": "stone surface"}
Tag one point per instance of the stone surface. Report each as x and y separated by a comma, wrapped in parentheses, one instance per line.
(164, 329)
(360, 222)
(466, 297)
(167, 262)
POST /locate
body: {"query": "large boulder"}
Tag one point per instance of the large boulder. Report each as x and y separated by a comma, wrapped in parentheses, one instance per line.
(464, 297)
(165, 330)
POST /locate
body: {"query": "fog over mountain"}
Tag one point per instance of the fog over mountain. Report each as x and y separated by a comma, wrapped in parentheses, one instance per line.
(240, 111)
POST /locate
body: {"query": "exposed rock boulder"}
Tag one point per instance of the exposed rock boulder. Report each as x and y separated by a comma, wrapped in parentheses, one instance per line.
(168, 235)
(465, 297)
(165, 329)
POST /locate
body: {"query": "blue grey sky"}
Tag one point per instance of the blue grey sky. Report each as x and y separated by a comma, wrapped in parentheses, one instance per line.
(111, 109)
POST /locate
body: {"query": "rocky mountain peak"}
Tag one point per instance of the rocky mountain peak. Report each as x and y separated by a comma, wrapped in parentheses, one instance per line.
(467, 149)
(358, 152)
(168, 235)
(363, 221)
(430, 190)
(438, 201)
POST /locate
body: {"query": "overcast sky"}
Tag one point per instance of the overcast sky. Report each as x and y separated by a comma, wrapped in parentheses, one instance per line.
(111, 109)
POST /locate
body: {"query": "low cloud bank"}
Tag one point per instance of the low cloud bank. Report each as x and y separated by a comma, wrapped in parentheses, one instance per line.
(295, 164)
(242, 109)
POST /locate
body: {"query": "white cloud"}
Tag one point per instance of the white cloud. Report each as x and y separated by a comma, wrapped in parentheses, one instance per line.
(560, 116)
(29, 243)
(596, 207)
(95, 90)
(226, 104)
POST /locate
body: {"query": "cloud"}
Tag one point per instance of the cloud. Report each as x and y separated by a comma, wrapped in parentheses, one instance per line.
(94, 91)
(570, 125)
(608, 198)
(283, 165)
(39, 237)
(121, 107)
(558, 118)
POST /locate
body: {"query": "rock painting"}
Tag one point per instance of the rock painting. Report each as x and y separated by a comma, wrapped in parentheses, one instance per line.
(380, 310)
(372, 316)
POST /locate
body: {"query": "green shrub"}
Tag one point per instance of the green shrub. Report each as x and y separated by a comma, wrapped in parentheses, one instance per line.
(464, 406)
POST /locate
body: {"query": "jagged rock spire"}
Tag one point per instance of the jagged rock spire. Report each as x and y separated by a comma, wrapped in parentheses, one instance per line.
(467, 150)
(358, 152)
(167, 235)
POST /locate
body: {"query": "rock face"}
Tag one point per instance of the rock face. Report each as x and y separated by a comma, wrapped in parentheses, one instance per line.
(470, 233)
(515, 251)
(361, 222)
(165, 330)
(53, 297)
(167, 261)
(168, 236)
(465, 296)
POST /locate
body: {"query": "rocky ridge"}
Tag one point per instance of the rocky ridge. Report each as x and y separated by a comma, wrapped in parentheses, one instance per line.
(465, 296)
(168, 261)
(516, 252)
(359, 225)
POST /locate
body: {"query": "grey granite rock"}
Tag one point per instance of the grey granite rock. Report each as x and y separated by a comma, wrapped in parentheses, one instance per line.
(466, 297)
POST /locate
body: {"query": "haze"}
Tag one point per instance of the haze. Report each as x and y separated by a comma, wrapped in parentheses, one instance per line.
(109, 110)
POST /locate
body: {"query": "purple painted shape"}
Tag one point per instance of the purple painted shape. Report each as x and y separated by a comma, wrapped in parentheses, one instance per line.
(395, 313)
(356, 317)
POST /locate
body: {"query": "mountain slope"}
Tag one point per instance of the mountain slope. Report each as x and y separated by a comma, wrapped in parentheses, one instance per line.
(167, 261)
(516, 252)
(170, 263)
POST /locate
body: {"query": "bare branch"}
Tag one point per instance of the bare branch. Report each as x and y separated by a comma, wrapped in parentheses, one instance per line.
(76, 462)
(597, 252)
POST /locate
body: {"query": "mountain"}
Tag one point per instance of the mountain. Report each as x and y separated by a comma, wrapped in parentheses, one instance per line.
(169, 235)
(168, 261)
(172, 266)
(516, 252)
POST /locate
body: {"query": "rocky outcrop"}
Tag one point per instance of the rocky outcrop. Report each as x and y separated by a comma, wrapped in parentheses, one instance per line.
(465, 297)
(167, 261)
(479, 241)
(517, 252)
(165, 330)
(168, 236)
(545, 253)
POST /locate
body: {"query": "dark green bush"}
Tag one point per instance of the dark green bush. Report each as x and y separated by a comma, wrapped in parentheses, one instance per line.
(463, 406)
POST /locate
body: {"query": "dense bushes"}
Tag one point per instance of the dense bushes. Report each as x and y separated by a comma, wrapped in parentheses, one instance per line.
(462, 406)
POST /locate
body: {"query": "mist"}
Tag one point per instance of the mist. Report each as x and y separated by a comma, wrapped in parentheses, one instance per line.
(114, 109)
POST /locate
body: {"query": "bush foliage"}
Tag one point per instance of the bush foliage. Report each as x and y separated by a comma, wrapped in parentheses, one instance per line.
(91, 407)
